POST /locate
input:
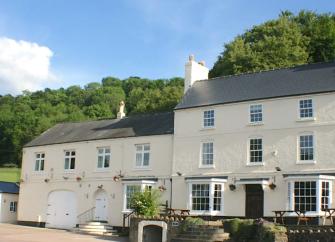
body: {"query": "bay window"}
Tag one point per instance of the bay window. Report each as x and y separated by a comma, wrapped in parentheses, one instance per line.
(310, 194)
(132, 187)
(206, 196)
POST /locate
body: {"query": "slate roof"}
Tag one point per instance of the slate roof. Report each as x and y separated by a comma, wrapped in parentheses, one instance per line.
(133, 126)
(299, 80)
(9, 187)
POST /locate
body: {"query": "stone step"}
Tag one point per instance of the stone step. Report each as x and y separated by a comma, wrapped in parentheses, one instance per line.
(207, 231)
(205, 237)
(87, 226)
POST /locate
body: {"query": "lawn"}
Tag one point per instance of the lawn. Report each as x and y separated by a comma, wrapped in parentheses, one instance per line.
(10, 174)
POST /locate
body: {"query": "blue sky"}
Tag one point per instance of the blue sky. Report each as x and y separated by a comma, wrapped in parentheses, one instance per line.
(73, 42)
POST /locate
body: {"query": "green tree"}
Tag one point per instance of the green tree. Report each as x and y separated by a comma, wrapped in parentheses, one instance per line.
(287, 41)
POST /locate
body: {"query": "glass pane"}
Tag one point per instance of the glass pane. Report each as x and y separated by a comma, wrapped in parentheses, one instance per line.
(138, 159)
(107, 158)
(67, 162)
(146, 159)
(100, 159)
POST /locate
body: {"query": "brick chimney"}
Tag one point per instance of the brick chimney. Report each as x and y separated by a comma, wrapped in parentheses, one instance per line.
(194, 71)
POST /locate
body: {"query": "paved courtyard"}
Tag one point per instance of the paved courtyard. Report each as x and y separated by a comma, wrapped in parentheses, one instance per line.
(16, 233)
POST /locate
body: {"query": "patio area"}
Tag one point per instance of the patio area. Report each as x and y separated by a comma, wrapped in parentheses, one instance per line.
(18, 233)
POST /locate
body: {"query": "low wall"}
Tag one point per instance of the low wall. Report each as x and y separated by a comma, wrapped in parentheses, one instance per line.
(311, 233)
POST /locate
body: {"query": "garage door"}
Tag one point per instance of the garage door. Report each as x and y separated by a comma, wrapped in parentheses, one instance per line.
(62, 210)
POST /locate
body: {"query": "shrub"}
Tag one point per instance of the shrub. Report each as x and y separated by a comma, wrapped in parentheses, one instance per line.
(146, 203)
(190, 222)
(240, 229)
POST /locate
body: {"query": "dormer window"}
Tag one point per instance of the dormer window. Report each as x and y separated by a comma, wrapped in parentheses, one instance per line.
(209, 121)
(306, 109)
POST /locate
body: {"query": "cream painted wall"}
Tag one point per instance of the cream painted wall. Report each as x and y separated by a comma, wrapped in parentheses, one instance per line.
(6, 216)
(122, 159)
(280, 131)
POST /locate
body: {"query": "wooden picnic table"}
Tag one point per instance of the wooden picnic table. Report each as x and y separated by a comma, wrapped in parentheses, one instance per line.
(300, 213)
(177, 211)
(330, 212)
(280, 214)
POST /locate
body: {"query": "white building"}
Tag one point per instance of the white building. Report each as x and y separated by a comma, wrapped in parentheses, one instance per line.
(241, 145)
(9, 195)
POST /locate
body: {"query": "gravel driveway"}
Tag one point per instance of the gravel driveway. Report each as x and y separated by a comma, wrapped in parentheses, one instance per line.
(17, 233)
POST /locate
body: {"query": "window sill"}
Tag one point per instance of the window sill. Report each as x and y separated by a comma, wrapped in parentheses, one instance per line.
(256, 164)
(306, 162)
(142, 169)
(69, 171)
(38, 173)
(207, 167)
(255, 124)
(300, 120)
(126, 211)
(206, 213)
(207, 128)
(102, 170)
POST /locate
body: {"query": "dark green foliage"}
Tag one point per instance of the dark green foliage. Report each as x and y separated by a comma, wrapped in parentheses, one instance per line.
(250, 230)
(287, 41)
(25, 116)
(190, 222)
(240, 229)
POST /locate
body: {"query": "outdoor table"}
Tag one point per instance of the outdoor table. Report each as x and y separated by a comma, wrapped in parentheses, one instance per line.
(280, 214)
(331, 212)
(182, 212)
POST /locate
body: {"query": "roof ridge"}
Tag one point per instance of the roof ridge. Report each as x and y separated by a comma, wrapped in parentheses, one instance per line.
(110, 119)
(269, 70)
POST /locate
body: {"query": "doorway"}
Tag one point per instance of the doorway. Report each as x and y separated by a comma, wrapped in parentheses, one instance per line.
(101, 206)
(254, 201)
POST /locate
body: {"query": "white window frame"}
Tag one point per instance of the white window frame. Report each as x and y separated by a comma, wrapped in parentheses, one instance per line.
(319, 179)
(39, 161)
(104, 154)
(142, 152)
(13, 206)
(70, 158)
(204, 119)
(142, 183)
(250, 114)
(202, 165)
(211, 182)
(299, 110)
(299, 161)
(249, 163)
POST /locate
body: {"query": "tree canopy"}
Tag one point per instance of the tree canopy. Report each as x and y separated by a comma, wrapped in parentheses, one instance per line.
(290, 40)
(25, 116)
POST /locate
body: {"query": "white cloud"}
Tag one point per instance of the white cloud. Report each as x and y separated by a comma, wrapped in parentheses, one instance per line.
(23, 66)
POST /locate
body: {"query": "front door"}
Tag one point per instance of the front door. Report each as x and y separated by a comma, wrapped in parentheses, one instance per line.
(254, 201)
(101, 208)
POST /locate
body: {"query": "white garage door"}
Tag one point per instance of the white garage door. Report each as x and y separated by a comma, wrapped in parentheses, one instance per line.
(62, 210)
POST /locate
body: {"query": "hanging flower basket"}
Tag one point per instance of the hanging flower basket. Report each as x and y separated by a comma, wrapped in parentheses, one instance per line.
(232, 187)
(272, 186)
(46, 180)
(116, 178)
(162, 188)
(78, 178)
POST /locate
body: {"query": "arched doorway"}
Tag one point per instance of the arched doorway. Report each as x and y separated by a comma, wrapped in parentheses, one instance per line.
(62, 210)
(101, 206)
(152, 233)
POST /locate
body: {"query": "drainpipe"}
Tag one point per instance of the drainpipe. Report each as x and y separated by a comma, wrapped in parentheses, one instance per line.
(171, 192)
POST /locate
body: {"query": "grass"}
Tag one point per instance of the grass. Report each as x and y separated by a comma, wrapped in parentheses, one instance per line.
(10, 174)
